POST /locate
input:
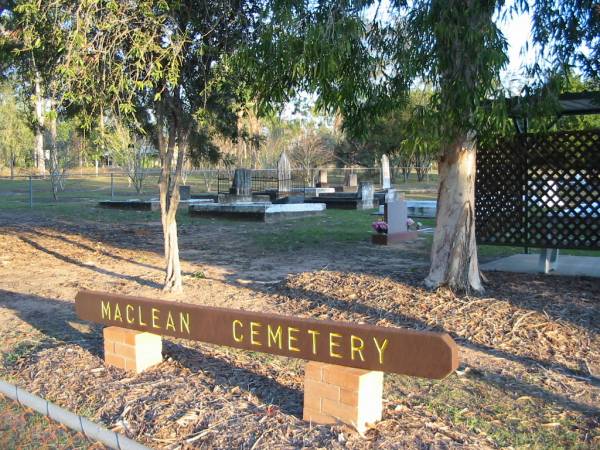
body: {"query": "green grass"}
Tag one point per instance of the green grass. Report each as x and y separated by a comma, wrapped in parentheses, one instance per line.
(496, 412)
(341, 226)
(335, 226)
(24, 429)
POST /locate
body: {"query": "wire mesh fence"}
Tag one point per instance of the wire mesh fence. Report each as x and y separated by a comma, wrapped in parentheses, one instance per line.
(24, 191)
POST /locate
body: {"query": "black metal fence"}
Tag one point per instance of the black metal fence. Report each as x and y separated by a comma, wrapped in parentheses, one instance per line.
(264, 181)
(540, 190)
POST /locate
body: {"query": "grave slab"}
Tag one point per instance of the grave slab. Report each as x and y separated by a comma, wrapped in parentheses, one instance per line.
(145, 205)
(257, 211)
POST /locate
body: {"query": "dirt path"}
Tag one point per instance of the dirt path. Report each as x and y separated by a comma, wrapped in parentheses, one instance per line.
(530, 347)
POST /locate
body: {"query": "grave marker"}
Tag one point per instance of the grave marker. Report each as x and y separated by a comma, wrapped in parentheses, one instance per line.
(366, 192)
(351, 180)
(322, 183)
(396, 217)
(242, 183)
(284, 173)
(385, 172)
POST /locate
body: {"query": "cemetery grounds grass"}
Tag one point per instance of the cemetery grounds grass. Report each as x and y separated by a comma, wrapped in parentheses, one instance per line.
(530, 346)
(24, 429)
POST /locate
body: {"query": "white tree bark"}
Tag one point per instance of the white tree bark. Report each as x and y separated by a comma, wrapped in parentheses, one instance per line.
(39, 156)
(454, 252)
(169, 200)
(173, 282)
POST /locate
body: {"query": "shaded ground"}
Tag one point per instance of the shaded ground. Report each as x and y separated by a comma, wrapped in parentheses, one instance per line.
(530, 347)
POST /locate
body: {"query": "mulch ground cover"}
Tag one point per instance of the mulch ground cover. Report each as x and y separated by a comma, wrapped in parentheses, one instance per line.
(530, 349)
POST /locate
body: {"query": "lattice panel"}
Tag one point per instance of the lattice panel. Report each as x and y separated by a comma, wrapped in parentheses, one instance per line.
(540, 190)
(499, 194)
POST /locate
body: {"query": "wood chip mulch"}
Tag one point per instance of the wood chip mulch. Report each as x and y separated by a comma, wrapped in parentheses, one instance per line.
(204, 396)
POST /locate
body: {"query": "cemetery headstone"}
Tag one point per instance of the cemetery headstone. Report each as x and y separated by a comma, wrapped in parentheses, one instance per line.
(385, 172)
(242, 183)
(322, 183)
(284, 173)
(396, 217)
(366, 192)
(185, 192)
(393, 195)
(343, 381)
(350, 182)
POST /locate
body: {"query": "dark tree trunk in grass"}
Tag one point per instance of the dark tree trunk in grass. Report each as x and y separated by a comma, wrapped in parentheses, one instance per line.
(454, 251)
(13, 162)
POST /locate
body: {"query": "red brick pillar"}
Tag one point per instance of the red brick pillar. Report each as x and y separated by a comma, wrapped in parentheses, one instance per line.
(131, 350)
(342, 394)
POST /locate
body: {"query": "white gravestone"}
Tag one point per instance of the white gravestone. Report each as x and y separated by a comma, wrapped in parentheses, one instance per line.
(385, 172)
(396, 217)
(367, 194)
(284, 173)
(393, 195)
(351, 180)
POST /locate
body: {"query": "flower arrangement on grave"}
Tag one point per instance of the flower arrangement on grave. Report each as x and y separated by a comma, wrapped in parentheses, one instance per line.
(380, 227)
(412, 225)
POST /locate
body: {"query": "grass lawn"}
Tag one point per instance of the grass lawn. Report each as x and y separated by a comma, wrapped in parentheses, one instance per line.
(24, 429)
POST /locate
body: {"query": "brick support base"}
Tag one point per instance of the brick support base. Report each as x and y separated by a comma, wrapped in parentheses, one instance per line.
(131, 350)
(342, 394)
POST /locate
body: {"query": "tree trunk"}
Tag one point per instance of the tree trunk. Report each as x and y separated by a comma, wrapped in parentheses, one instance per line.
(54, 163)
(169, 201)
(12, 167)
(39, 157)
(172, 281)
(454, 252)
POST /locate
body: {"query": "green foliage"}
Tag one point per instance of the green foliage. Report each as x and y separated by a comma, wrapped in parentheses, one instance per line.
(324, 48)
(363, 67)
(16, 138)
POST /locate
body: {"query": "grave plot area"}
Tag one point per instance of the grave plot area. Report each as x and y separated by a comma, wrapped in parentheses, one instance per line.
(529, 347)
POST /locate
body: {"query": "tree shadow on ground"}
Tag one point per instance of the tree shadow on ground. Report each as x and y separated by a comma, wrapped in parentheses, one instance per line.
(55, 319)
(531, 292)
(317, 299)
(267, 389)
(509, 293)
(95, 250)
(96, 269)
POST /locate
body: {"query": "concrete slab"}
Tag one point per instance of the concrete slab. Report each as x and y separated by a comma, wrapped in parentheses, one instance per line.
(574, 266)
(260, 211)
(313, 191)
(153, 204)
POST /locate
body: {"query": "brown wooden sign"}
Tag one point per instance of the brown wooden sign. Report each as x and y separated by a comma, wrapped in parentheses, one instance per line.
(416, 353)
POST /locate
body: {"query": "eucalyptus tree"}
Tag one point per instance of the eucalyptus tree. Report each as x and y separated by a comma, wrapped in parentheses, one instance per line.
(16, 137)
(362, 65)
(31, 45)
(164, 68)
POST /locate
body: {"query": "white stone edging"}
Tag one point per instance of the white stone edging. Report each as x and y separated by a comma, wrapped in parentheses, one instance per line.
(90, 430)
